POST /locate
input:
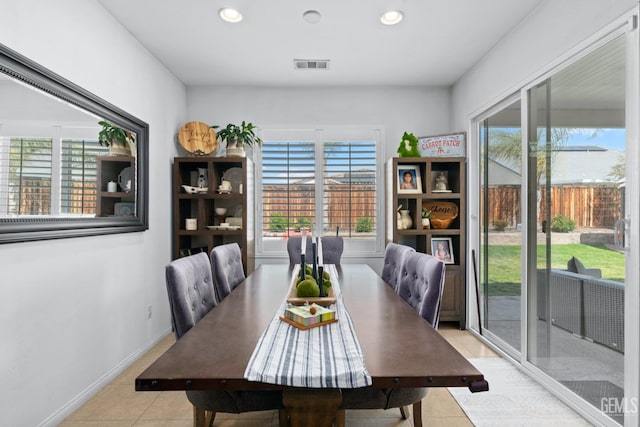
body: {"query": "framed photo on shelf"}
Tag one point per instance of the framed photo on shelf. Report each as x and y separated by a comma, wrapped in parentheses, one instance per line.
(442, 249)
(409, 179)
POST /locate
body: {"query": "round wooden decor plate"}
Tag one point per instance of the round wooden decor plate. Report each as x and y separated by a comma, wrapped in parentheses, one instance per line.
(198, 138)
(442, 213)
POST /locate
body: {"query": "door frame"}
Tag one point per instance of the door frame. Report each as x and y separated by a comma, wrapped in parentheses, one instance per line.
(626, 25)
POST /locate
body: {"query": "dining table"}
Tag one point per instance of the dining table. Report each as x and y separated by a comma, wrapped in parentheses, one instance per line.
(400, 348)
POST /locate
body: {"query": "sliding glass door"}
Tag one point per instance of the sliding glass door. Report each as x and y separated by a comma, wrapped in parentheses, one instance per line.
(558, 216)
(500, 273)
(576, 193)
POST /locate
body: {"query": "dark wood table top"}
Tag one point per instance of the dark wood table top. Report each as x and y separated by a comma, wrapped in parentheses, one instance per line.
(401, 349)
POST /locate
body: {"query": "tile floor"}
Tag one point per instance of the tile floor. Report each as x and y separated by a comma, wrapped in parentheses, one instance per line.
(118, 405)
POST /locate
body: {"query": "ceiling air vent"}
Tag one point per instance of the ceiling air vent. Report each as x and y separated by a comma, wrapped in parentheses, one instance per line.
(311, 64)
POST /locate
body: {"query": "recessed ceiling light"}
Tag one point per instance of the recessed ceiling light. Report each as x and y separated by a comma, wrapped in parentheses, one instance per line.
(230, 15)
(391, 18)
(312, 16)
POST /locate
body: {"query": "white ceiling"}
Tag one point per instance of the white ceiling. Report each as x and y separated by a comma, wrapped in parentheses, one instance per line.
(435, 44)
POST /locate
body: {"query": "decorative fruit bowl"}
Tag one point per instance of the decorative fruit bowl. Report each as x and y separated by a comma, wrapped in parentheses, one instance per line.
(442, 213)
(294, 299)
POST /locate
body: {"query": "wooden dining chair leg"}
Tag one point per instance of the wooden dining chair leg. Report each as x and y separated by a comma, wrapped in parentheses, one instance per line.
(340, 418)
(283, 418)
(417, 414)
(203, 418)
(404, 411)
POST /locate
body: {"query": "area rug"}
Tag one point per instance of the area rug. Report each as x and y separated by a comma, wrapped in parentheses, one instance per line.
(513, 399)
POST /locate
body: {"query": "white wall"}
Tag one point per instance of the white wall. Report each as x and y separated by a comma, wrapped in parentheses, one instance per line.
(549, 32)
(73, 311)
(423, 111)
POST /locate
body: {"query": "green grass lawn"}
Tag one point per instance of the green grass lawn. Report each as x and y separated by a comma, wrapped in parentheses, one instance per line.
(504, 263)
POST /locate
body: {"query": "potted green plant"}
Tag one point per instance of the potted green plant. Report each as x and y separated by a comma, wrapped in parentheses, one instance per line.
(426, 214)
(237, 137)
(119, 141)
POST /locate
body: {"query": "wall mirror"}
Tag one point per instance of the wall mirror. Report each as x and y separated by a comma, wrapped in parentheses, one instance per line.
(56, 179)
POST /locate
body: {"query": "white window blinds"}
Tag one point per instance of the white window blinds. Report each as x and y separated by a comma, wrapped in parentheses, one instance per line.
(325, 180)
(349, 191)
(288, 187)
(45, 176)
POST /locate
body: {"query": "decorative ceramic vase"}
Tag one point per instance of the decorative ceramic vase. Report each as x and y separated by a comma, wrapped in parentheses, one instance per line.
(405, 219)
(426, 224)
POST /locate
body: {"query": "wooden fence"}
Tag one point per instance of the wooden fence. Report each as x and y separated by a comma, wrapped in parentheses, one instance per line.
(35, 198)
(345, 205)
(589, 205)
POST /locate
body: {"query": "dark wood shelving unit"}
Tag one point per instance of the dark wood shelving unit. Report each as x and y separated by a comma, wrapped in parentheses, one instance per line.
(202, 206)
(108, 169)
(453, 300)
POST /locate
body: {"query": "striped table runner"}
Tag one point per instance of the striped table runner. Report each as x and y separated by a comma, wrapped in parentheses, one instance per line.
(324, 357)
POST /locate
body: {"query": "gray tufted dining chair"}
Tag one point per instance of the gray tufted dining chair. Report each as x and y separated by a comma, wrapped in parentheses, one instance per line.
(228, 272)
(393, 257)
(190, 289)
(191, 297)
(420, 284)
(332, 248)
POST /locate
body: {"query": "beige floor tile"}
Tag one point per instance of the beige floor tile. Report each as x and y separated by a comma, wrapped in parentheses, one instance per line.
(473, 347)
(170, 405)
(115, 402)
(446, 422)
(99, 423)
(451, 329)
(439, 403)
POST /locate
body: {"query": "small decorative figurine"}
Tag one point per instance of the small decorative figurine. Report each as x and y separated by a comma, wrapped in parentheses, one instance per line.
(202, 178)
(441, 182)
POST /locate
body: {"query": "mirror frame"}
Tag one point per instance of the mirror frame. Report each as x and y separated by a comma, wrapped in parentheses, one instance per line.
(30, 229)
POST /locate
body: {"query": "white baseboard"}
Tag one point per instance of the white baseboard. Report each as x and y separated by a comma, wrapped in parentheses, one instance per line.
(70, 407)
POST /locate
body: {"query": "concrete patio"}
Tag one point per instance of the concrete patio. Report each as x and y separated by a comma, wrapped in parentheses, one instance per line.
(592, 370)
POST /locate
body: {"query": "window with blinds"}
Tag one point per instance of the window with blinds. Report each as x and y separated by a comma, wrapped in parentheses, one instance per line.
(78, 175)
(25, 184)
(44, 176)
(288, 187)
(322, 185)
(349, 190)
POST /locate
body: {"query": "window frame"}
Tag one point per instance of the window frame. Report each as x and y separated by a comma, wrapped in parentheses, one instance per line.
(354, 248)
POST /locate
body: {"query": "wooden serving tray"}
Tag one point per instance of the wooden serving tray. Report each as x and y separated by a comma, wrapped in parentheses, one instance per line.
(303, 327)
(323, 301)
